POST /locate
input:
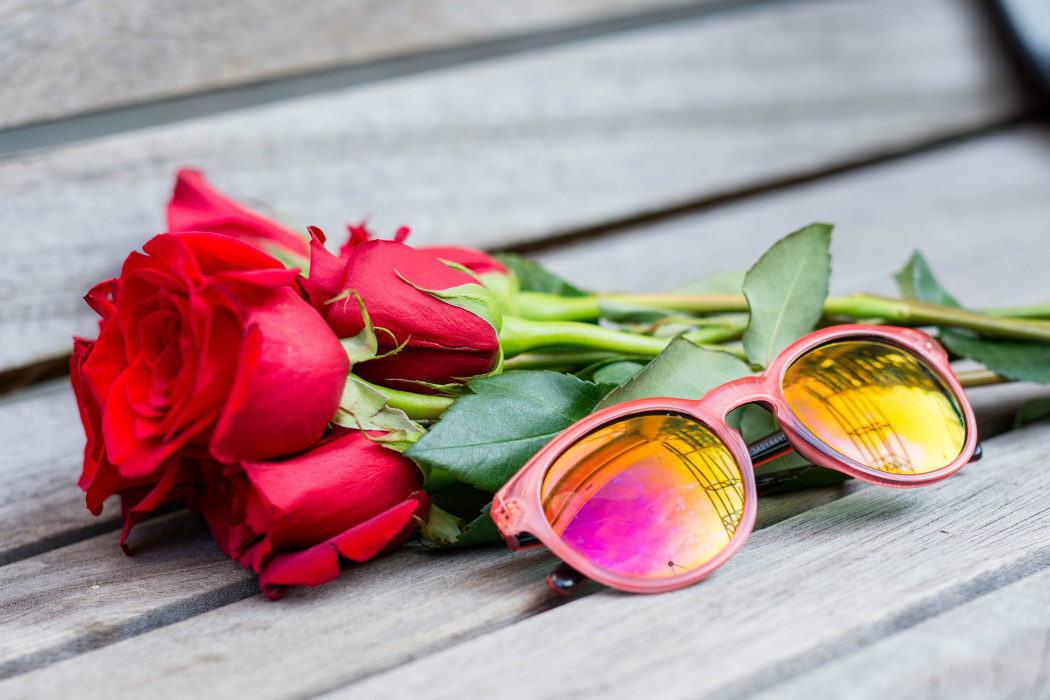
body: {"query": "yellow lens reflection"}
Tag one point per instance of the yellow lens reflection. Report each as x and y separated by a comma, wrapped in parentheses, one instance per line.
(877, 404)
(650, 496)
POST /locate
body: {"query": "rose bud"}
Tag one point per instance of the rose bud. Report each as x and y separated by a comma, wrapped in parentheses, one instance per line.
(196, 206)
(206, 348)
(496, 277)
(291, 520)
(436, 325)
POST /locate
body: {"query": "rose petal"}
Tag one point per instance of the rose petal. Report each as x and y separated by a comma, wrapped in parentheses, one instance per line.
(320, 564)
(196, 206)
(289, 380)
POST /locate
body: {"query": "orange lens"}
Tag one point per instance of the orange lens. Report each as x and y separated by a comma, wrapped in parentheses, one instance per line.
(877, 404)
(650, 496)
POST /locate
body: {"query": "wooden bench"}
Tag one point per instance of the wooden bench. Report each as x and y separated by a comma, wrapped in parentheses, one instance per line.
(630, 145)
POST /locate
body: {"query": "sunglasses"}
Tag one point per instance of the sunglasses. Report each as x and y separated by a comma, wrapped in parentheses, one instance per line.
(655, 494)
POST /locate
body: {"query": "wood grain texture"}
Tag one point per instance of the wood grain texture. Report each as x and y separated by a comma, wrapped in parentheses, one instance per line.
(73, 599)
(518, 148)
(997, 646)
(375, 616)
(977, 210)
(41, 506)
(802, 592)
(60, 58)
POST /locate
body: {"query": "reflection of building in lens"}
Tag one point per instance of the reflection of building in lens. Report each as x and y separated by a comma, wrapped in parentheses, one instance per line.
(877, 404)
(706, 458)
(649, 496)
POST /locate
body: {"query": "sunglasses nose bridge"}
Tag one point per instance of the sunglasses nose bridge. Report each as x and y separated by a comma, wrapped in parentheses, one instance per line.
(742, 391)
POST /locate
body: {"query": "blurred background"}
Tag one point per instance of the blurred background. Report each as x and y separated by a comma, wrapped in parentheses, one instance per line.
(627, 144)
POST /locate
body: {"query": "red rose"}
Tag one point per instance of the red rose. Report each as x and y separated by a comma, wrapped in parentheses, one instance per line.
(478, 262)
(445, 323)
(291, 520)
(196, 206)
(206, 348)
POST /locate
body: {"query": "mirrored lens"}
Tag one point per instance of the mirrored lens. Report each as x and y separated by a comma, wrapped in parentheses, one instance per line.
(651, 496)
(877, 404)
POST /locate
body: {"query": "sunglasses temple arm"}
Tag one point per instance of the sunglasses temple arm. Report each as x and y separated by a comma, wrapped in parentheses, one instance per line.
(777, 445)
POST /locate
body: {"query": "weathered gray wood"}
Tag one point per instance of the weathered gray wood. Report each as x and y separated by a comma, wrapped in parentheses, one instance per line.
(523, 147)
(977, 211)
(994, 647)
(374, 617)
(811, 588)
(59, 58)
(41, 506)
(67, 601)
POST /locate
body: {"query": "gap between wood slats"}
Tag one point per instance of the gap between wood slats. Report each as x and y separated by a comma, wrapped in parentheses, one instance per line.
(372, 629)
(162, 584)
(816, 587)
(150, 591)
(91, 125)
(58, 366)
(701, 204)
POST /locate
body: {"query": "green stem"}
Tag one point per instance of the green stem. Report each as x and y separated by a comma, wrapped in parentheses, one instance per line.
(416, 406)
(568, 360)
(979, 377)
(917, 313)
(1035, 311)
(519, 336)
(862, 306)
(537, 306)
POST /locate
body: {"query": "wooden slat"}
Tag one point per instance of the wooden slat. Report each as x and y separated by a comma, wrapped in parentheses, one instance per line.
(976, 210)
(40, 504)
(520, 148)
(73, 599)
(994, 647)
(373, 617)
(828, 581)
(60, 59)
(46, 419)
(845, 572)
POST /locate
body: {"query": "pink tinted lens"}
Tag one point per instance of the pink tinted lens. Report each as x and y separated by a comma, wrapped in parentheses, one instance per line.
(651, 496)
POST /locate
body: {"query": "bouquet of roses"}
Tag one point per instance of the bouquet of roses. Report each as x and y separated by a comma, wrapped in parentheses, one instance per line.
(316, 407)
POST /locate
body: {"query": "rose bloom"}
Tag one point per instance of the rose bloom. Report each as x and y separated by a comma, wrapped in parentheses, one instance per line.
(206, 349)
(197, 206)
(477, 261)
(291, 520)
(442, 343)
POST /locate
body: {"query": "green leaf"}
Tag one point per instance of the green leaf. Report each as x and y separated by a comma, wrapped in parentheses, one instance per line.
(482, 530)
(916, 281)
(1024, 362)
(485, 437)
(439, 481)
(440, 528)
(720, 283)
(365, 408)
(534, 278)
(786, 290)
(472, 297)
(1031, 411)
(617, 372)
(682, 371)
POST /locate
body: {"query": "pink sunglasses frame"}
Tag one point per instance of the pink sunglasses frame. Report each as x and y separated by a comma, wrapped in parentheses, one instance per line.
(517, 507)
